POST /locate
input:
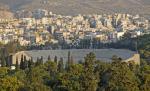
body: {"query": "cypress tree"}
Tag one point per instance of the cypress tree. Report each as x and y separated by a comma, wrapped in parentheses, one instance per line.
(60, 65)
(69, 57)
(68, 61)
(71, 60)
(25, 63)
(3, 62)
(17, 65)
(37, 62)
(41, 60)
(22, 58)
(55, 59)
(31, 60)
(8, 64)
(30, 63)
(21, 64)
(89, 80)
(49, 58)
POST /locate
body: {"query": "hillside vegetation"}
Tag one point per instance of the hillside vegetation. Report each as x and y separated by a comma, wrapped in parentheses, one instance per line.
(91, 75)
(72, 7)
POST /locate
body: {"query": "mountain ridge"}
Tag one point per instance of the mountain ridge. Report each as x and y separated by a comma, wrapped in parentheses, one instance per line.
(5, 13)
(73, 7)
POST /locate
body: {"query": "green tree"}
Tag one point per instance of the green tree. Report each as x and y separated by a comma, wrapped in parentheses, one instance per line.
(3, 62)
(61, 65)
(30, 63)
(3, 71)
(36, 79)
(55, 59)
(22, 64)
(88, 79)
(145, 78)
(7, 81)
(17, 65)
(120, 78)
(25, 63)
(51, 67)
(39, 61)
(101, 68)
(70, 80)
(69, 61)
(10, 83)
(49, 58)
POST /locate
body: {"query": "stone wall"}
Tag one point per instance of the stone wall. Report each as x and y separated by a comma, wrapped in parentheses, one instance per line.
(135, 59)
(18, 56)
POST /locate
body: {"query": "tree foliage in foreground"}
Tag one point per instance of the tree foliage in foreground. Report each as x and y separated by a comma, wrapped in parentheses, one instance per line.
(90, 75)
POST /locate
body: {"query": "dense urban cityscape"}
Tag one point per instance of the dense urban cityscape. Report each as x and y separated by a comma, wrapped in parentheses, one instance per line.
(46, 27)
(42, 50)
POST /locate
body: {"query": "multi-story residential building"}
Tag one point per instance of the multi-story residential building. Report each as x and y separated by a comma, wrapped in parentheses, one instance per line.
(36, 30)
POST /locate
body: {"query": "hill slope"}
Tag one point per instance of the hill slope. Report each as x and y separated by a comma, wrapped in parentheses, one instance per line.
(72, 7)
(5, 12)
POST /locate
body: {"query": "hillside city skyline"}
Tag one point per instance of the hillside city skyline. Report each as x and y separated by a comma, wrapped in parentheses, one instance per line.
(74, 45)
